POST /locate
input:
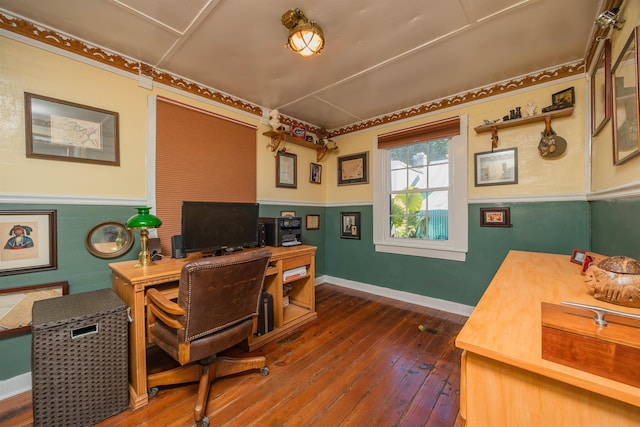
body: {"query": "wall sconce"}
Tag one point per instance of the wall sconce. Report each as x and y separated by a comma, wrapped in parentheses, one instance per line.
(143, 221)
(305, 36)
(610, 19)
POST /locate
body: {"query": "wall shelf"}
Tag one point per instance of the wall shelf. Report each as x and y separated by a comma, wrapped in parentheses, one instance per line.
(493, 127)
(278, 137)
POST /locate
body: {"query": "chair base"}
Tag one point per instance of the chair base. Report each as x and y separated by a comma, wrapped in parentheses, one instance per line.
(205, 372)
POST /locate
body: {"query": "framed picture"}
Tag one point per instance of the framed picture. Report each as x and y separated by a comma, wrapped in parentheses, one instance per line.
(601, 89)
(60, 130)
(28, 241)
(350, 225)
(353, 169)
(625, 102)
(313, 222)
(495, 217)
(287, 213)
(578, 256)
(315, 173)
(564, 97)
(286, 170)
(498, 167)
(17, 303)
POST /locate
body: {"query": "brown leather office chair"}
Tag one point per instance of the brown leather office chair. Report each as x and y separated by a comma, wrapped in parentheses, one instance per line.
(218, 299)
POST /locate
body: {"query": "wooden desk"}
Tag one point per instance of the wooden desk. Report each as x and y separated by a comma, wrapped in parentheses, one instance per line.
(130, 283)
(505, 381)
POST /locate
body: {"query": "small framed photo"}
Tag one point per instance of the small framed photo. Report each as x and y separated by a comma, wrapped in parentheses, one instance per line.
(497, 167)
(353, 169)
(286, 170)
(61, 130)
(313, 222)
(17, 304)
(578, 256)
(28, 241)
(315, 173)
(566, 97)
(495, 217)
(350, 225)
(287, 213)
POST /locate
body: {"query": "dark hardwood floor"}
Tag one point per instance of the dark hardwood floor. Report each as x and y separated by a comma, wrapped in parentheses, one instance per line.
(363, 362)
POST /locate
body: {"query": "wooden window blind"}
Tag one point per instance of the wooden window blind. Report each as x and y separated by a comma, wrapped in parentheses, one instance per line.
(200, 156)
(434, 130)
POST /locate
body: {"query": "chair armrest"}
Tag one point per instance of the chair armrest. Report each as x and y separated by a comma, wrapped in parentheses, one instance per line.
(164, 303)
(164, 309)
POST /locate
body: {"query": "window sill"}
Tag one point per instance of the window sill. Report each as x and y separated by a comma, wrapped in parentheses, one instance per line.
(446, 254)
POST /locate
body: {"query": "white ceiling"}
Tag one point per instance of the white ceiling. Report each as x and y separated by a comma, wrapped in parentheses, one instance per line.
(380, 55)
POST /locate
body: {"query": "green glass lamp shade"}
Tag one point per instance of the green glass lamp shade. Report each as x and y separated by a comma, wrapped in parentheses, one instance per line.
(143, 219)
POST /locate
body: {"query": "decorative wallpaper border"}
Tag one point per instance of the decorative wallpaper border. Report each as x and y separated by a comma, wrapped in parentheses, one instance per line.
(51, 38)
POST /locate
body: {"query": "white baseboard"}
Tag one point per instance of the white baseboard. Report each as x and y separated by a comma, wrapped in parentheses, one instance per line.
(438, 304)
(15, 385)
(22, 383)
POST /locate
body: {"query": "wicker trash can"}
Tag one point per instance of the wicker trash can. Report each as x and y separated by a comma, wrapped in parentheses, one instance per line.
(79, 359)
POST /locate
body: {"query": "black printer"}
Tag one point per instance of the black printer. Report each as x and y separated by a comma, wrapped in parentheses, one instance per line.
(282, 231)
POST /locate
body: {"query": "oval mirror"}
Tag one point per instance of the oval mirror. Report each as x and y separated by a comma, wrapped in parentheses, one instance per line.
(109, 239)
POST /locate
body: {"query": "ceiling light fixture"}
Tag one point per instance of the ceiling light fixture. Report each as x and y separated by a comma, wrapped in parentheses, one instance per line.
(610, 19)
(305, 36)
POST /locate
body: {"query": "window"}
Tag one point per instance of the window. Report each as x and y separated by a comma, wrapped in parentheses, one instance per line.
(420, 190)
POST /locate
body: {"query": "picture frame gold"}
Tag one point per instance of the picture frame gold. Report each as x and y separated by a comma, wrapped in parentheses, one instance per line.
(288, 213)
(67, 131)
(29, 243)
(17, 304)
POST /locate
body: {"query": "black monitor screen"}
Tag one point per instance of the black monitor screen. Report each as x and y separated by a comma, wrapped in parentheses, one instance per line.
(217, 226)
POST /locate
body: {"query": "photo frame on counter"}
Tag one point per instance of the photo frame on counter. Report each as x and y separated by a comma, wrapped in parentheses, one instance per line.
(497, 167)
(578, 256)
(353, 169)
(28, 241)
(286, 170)
(495, 217)
(62, 130)
(626, 135)
(601, 99)
(18, 303)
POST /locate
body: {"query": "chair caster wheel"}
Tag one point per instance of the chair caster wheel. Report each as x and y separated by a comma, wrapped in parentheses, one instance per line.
(264, 371)
(204, 422)
(153, 391)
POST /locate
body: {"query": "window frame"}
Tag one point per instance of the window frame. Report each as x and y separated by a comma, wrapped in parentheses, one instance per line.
(456, 247)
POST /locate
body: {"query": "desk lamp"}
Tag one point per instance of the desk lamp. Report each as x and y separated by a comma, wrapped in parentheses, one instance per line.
(143, 221)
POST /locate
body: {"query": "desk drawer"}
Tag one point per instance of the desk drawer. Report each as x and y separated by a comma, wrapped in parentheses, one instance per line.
(298, 261)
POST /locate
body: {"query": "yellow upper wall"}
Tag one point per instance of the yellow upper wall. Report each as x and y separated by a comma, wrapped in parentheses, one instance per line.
(536, 176)
(604, 174)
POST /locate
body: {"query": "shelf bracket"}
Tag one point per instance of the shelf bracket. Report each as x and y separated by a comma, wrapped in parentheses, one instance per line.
(275, 142)
(494, 137)
(321, 152)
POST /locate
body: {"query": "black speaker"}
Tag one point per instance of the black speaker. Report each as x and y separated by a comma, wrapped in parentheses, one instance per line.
(154, 249)
(265, 314)
(262, 235)
(177, 250)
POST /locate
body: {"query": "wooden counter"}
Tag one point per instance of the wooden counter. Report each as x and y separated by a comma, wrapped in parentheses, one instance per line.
(505, 381)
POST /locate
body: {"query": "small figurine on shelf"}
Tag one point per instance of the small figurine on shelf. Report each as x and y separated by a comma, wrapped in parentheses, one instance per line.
(531, 108)
(274, 120)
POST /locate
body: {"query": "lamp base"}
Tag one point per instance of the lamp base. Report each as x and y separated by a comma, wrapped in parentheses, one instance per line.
(144, 257)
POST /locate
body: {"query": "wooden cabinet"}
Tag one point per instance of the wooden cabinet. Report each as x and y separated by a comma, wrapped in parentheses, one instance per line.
(504, 379)
(301, 306)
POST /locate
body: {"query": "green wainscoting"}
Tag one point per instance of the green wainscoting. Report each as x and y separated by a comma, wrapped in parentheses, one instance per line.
(76, 265)
(615, 227)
